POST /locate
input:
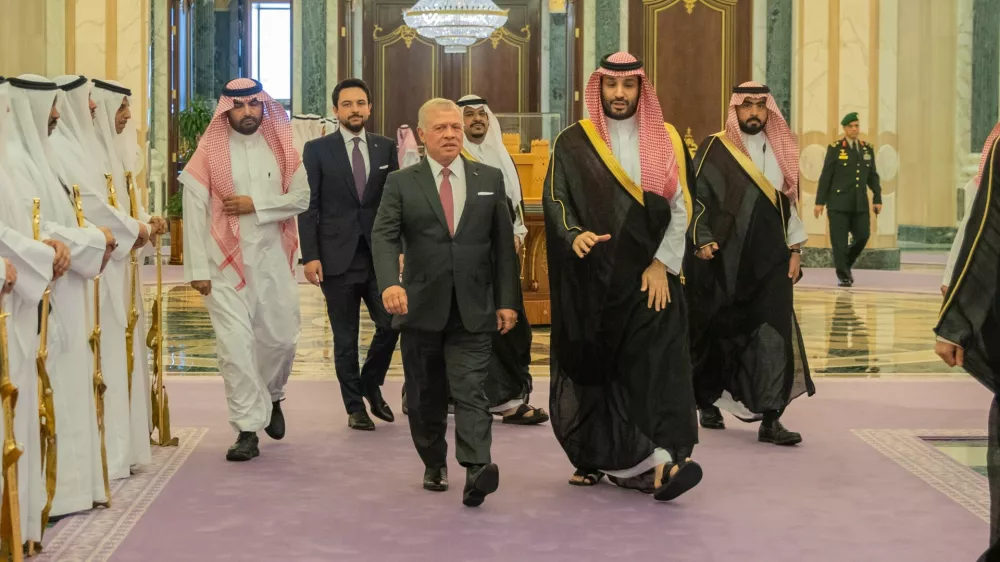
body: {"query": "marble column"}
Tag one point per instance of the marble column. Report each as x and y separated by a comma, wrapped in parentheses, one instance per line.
(760, 17)
(160, 105)
(966, 155)
(588, 30)
(314, 47)
(985, 84)
(845, 48)
(203, 49)
(778, 63)
(90, 38)
(557, 87)
(607, 31)
(927, 64)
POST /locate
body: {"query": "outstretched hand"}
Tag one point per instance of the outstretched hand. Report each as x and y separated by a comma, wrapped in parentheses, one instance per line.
(656, 285)
(585, 242)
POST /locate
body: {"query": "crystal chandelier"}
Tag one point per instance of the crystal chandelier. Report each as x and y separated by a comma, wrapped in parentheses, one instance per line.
(455, 24)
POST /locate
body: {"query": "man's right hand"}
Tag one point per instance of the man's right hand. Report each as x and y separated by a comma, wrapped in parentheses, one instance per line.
(314, 272)
(585, 242)
(203, 287)
(394, 300)
(143, 237)
(10, 277)
(61, 261)
(818, 211)
(707, 252)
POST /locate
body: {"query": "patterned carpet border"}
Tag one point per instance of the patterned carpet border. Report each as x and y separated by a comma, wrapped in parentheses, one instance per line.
(94, 536)
(908, 448)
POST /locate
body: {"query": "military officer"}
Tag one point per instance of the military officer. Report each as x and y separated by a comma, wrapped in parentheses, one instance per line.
(848, 172)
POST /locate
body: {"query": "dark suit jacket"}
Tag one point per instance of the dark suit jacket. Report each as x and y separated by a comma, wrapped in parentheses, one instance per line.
(329, 230)
(846, 174)
(478, 264)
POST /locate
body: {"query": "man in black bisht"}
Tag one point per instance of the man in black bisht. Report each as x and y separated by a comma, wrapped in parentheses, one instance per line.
(968, 330)
(616, 210)
(746, 238)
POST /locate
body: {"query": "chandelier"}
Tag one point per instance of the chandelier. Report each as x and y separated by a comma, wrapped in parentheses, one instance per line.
(455, 24)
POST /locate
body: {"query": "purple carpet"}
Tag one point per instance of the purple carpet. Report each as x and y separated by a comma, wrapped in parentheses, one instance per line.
(328, 493)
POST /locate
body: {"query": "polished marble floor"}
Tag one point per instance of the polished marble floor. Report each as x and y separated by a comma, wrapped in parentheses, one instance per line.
(847, 334)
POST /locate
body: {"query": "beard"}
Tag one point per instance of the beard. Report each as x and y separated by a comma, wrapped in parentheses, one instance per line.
(751, 126)
(246, 126)
(352, 127)
(476, 134)
(613, 113)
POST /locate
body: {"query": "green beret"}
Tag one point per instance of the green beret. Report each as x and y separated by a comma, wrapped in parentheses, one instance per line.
(849, 118)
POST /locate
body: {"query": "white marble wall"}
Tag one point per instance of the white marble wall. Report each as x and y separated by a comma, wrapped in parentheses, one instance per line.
(159, 154)
(91, 39)
(623, 25)
(545, 75)
(854, 85)
(887, 157)
(55, 38)
(810, 87)
(968, 162)
(760, 41)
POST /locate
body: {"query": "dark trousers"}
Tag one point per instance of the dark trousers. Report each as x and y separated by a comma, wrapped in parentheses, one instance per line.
(344, 294)
(433, 362)
(844, 254)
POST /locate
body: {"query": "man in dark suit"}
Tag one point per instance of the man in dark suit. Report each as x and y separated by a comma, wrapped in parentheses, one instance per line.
(459, 287)
(347, 171)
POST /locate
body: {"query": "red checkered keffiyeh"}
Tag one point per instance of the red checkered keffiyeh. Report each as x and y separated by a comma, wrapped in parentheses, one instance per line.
(656, 153)
(986, 152)
(212, 167)
(786, 147)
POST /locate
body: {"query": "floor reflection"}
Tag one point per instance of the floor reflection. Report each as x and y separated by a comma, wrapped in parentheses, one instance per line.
(847, 334)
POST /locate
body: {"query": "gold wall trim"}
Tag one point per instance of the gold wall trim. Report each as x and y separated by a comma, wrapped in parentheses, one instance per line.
(111, 39)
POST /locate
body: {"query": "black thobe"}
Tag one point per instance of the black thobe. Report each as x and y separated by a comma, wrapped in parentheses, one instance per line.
(620, 371)
(970, 316)
(744, 335)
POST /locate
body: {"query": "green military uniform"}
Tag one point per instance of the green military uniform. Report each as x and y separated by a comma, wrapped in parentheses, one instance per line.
(848, 173)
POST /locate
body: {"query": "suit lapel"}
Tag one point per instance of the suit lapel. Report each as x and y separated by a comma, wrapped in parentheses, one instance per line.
(342, 161)
(427, 184)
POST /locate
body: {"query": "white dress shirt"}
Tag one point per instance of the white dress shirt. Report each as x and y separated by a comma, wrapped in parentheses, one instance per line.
(763, 157)
(457, 178)
(362, 146)
(624, 135)
(489, 158)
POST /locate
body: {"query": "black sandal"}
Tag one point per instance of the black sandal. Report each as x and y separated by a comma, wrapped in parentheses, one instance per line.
(687, 476)
(520, 417)
(589, 478)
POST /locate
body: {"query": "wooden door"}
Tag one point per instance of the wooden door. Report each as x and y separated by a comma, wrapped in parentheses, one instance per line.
(404, 70)
(694, 51)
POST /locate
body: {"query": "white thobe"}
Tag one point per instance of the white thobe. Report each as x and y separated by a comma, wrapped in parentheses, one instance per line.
(491, 158)
(118, 420)
(956, 245)
(80, 480)
(257, 327)
(624, 136)
(33, 261)
(763, 157)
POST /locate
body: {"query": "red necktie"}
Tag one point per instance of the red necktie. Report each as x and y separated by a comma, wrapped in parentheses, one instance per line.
(447, 201)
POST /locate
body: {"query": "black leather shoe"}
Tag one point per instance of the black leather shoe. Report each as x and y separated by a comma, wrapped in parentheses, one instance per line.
(436, 479)
(479, 483)
(711, 418)
(276, 429)
(245, 447)
(778, 435)
(360, 420)
(380, 408)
